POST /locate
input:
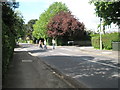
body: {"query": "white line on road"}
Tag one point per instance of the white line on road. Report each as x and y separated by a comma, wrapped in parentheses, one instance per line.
(27, 60)
(66, 49)
(102, 63)
(107, 52)
(64, 54)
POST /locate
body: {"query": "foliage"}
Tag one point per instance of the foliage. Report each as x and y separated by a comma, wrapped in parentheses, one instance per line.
(64, 24)
(8, 43)
(12, 29)
(19, 25)
(107, 40)
(40, 28)
(13, 20)
(96, 42)
(109, 11)
(29, 28)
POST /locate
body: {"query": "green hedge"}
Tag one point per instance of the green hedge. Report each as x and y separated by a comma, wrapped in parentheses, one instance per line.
(22, 41)
(8, 44)
(107, 40)
(96, 42)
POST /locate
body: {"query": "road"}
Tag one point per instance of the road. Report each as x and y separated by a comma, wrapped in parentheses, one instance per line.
(90, 70)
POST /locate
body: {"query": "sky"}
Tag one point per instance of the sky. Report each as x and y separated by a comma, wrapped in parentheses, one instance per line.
(31, 9)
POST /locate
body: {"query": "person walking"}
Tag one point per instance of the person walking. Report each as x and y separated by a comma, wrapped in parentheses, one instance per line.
(45, 44)
(40, 44)
(53, 43)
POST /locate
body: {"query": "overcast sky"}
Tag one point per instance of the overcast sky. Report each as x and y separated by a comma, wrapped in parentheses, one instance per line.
(31, 9)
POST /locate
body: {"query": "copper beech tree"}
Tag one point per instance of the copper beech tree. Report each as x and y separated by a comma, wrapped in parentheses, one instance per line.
(65, 24)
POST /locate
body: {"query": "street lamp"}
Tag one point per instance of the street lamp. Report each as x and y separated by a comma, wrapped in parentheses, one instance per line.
(100, 35)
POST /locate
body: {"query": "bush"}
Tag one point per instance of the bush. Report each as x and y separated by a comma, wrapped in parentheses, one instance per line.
(62, 40)
(22, 41)
(96, 42)
(8, 44)
(49, 41)
(107, 40)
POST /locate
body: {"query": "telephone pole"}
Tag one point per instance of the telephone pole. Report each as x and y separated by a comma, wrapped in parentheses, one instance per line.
(100, 35)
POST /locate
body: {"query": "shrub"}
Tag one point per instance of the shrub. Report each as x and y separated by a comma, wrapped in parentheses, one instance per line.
(96, 42)
(107, 40)
(8, 44)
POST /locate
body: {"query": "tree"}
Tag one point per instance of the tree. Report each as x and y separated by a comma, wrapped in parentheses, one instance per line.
(65, 24)
(40, 28)
(19, 25)
(109, 11)
(29, 28)
(11, 29)
(14, 20)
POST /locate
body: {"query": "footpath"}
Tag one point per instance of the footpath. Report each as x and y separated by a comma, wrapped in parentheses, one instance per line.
(26, 71)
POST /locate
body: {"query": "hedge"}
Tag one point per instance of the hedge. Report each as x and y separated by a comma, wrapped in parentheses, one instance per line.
(8, 44)
(107, 40)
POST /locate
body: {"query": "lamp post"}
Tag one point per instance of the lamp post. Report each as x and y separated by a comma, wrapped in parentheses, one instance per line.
(100, 35)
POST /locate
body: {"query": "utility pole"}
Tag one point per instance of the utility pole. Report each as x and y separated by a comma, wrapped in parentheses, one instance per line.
(100, 35)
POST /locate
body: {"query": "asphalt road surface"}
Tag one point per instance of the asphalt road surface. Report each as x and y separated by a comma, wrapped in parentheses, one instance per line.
(88, 69)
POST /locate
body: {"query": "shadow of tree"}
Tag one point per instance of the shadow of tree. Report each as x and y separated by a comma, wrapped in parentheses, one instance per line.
(82, 68)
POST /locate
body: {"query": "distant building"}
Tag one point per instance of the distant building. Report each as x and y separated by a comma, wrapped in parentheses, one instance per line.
(112, 28)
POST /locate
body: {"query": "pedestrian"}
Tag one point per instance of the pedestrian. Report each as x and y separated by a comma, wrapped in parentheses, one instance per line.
(40, 44)
(45, 44)
(53, 43)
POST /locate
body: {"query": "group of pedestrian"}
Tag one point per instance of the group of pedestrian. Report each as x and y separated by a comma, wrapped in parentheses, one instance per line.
(45, 44)
(41, 44)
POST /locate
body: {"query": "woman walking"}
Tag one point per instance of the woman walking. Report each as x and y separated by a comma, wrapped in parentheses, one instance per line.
(40, 44)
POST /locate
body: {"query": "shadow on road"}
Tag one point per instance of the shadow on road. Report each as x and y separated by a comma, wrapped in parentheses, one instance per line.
(86, 70)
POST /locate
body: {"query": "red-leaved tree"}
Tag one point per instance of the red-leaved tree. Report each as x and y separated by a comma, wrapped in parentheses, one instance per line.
(65, 24)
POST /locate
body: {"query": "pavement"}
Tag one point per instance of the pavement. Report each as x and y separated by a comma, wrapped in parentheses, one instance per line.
(75, 71)
(26, 71)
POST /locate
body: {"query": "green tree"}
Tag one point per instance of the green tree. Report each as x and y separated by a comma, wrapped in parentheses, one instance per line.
(19, 25)
(40, 28)
(109, 11)
(29, 28)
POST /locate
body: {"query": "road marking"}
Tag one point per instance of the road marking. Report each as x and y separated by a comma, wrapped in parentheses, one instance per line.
(66, 49)
(27, 60)
(36, 54)
(107, 52)
(64, 54)
(102, 63)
